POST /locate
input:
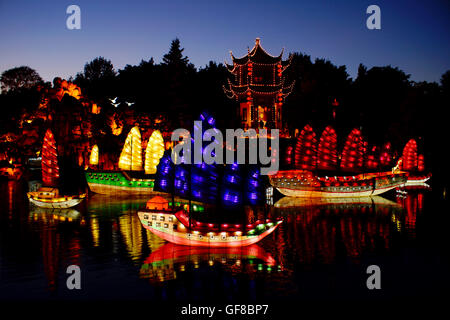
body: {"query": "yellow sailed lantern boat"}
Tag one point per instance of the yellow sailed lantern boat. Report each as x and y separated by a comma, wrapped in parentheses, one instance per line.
(48, 196)
(134, 176)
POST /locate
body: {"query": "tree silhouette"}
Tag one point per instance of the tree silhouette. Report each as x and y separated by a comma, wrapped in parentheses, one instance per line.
(18, 78)
(175, 57)
(98, 79)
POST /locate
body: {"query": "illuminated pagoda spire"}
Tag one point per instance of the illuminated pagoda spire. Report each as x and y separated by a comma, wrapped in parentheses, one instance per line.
(259, 87)
(131, 155)
(50, 167)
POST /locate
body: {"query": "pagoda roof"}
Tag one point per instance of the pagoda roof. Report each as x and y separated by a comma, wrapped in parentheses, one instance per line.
(236, 91)
(257, 55)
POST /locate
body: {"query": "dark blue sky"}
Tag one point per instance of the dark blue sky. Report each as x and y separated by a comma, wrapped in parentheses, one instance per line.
(414, 34)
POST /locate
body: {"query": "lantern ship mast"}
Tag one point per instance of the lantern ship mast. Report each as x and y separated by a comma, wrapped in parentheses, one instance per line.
(49, 196)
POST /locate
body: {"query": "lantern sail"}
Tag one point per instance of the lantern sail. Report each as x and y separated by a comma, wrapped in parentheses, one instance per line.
(93, 159)
(353, 153)
(154, 152)
(131, 155)
(327, 151)
(50, 168)
(410, 156)
(306, 149)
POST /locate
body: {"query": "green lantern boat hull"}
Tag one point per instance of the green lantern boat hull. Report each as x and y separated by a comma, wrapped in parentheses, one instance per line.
(110, 182)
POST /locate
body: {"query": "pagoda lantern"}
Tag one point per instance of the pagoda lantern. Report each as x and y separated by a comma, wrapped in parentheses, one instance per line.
(263, 82)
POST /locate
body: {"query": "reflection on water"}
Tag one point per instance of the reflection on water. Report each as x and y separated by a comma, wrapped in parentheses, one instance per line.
(319, 230)
(170, 260)
(105, 237)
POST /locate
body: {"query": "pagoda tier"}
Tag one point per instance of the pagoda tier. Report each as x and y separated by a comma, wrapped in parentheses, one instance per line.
(259, 86)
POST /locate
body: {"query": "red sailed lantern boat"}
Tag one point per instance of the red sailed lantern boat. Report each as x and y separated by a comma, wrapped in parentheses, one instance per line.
(173, 224)
(302, 183)
(48, 196)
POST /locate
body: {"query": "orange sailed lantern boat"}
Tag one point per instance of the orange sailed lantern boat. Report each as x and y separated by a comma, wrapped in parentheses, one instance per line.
(173, 224)
(48, 196)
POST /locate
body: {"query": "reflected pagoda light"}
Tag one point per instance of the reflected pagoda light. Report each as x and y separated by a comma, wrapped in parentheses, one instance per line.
(93, 159)
(131, 155)
(154, 152)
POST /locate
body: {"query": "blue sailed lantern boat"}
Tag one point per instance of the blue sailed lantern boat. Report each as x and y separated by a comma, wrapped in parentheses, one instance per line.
(228, 187)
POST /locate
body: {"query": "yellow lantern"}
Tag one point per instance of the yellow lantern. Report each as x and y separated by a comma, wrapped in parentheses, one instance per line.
(131, 155)
(154, 152)
(93, 159)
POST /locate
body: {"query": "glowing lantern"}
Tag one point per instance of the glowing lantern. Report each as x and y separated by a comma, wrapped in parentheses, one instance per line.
(288, 155)
(93, 159)
(131, 155)
(421, 162)
(385, 155)
(305, 149)
(95, 108)
(410, 155)
(116, 127)
(353, 153)
(371, 160)
(154, 152)
(327, 153)
(50, 168)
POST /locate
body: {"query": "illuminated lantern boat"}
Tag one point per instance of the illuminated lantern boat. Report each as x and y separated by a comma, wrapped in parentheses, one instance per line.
(302, 183)
(131, 178)
(175, 226)
(48, 196)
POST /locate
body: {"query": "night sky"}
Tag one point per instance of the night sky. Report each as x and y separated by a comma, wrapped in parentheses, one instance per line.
(414, 34)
